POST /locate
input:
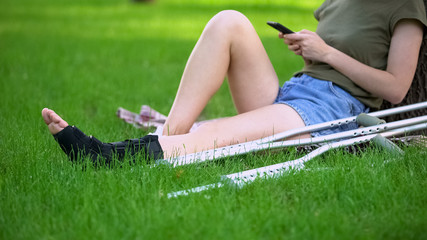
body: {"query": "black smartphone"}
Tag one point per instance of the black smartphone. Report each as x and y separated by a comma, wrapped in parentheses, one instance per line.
(280, 27)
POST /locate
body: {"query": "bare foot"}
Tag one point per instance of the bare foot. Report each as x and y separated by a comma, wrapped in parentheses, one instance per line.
(54, 122)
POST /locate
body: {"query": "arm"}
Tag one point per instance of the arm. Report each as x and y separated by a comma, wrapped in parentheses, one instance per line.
(391, 84)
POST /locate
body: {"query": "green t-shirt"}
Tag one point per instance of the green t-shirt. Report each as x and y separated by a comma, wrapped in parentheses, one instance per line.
(361, 29)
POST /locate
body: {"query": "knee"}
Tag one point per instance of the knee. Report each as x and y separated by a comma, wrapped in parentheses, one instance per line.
(228, 22)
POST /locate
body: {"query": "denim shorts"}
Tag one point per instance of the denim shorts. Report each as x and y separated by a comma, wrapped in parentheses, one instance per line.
(318, 101)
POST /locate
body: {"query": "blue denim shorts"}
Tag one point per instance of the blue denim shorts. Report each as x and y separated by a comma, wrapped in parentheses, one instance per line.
(318, 101)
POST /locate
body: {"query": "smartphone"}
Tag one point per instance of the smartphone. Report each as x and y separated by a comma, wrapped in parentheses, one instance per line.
(280, 27)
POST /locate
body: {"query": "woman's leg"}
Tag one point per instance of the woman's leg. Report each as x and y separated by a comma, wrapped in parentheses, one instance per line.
(259, 123)
(255, 124)
(229, 46)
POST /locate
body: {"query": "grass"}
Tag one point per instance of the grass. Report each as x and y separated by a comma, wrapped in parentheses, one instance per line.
(87, 58)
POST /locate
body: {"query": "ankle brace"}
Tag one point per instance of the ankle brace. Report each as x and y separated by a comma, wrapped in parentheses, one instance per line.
(77, 144)
(148, 144)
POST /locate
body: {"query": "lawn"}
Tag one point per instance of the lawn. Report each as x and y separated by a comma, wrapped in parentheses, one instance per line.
(87, 58)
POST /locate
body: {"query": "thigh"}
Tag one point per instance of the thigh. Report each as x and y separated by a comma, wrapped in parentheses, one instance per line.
(252, 79)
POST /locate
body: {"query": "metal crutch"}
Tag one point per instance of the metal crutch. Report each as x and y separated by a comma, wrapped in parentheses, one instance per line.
(251, 146)
(241, 178)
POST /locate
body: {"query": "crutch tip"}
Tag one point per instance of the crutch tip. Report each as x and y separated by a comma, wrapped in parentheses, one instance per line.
(388, 145)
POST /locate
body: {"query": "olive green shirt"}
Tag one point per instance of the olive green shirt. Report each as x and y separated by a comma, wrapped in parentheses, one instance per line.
(361, 29)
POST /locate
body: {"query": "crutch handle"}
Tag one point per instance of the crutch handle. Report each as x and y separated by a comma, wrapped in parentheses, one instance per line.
(365, 120)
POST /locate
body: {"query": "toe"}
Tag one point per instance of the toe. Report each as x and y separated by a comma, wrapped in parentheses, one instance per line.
(45, 115)
(54, 121)
(55, 117)
(58, 120)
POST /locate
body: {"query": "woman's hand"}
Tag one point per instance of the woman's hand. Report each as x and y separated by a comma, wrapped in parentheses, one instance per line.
(307, 44)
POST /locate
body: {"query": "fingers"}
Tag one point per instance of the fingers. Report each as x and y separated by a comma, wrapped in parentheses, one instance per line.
(299, 36)
(296, 41)
(290, 39)
(295, 48)
(282, 35)
(294, 37)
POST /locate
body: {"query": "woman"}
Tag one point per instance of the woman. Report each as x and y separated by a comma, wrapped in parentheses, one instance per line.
(362, 52)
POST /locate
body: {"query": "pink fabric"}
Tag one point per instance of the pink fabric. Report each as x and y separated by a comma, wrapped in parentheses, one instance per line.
(146, 118)
(149, 118)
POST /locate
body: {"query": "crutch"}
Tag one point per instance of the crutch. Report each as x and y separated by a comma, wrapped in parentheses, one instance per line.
(268, 142)
(245, 177)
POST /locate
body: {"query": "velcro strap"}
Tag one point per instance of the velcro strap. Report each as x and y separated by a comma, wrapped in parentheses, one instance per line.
(155, 151)
(148, 144)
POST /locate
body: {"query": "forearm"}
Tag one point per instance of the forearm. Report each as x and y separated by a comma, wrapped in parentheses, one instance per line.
(393, 83)
(378, 82)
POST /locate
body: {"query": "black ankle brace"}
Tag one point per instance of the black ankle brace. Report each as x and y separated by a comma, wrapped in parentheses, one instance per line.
(148, 144)
(77, 144)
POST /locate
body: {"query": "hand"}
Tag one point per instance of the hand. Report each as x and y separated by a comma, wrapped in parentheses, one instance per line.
(307, 44)
(292, 45)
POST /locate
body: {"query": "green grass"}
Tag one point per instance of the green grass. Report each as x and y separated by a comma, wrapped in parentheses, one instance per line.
(87, 58)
